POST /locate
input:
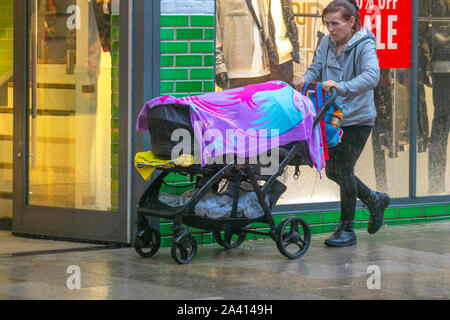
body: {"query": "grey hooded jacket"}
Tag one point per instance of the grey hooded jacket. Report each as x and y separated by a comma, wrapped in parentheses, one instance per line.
(356, 71)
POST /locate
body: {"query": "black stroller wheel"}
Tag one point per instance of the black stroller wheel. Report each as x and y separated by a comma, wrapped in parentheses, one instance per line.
(229, 240)
(184, 249)
(147, 242)
(291, 241)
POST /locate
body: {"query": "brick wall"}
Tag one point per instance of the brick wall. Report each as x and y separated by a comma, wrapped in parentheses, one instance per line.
(187, 63)
(115, 112)
(187, 54)
(187, 7)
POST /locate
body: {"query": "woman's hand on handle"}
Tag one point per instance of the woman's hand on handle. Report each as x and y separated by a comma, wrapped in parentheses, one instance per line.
(327, 85)
(299, 83)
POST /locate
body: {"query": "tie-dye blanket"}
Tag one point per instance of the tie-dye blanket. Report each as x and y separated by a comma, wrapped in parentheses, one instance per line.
(248, 121)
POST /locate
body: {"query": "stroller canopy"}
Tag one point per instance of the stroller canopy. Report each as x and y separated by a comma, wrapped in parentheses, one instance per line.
(247, 121)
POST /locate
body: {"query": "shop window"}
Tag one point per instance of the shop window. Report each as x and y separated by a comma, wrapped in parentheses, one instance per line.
(242, 59)
(433, 164)
(74, 104)
(6, 107)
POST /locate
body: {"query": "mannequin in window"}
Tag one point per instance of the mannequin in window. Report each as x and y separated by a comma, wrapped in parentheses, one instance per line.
(383, 135)
(102, 10)
(241, 57)
(437, 37)
(382, 129)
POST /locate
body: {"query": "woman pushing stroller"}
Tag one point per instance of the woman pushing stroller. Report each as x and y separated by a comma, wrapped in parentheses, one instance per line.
(346, 59)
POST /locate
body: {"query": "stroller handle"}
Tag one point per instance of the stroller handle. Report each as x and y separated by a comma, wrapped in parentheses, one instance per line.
(326, 107)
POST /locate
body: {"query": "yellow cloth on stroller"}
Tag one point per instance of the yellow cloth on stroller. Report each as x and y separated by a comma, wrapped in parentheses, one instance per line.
(146, 162)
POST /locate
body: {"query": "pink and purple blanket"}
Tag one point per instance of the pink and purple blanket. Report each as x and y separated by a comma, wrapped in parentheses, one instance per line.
(269, 115)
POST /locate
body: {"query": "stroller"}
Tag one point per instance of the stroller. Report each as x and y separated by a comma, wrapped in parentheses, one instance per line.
(292, 235)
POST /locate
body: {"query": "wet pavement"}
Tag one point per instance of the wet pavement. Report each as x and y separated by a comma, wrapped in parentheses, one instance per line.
(399, 262)
(11, 245)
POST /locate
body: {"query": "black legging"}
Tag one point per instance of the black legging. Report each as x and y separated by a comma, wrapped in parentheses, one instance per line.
(340, 168)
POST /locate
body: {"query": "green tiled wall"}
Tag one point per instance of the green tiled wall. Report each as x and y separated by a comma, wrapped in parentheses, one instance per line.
(325, 222)
(115, 112)
(187, 68)
(187, 54)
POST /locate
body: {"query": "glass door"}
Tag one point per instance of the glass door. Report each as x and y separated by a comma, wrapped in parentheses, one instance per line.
(6, 108)
(433, 164)
(72, 136)
(70, 105)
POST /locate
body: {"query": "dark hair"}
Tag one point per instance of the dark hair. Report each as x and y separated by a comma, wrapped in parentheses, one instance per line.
(349, 9)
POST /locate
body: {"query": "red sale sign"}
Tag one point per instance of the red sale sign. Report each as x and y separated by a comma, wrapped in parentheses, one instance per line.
(390, 22)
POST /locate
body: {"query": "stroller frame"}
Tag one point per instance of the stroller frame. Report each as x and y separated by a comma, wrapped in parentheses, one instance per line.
(291, 232)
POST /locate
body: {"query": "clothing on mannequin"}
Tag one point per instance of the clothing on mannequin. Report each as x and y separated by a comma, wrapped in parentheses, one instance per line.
(436, 64)
(241, 56)
(388, 111)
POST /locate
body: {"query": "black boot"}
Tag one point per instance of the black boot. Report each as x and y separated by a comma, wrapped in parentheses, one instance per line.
(376, 203)
(344, 235)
